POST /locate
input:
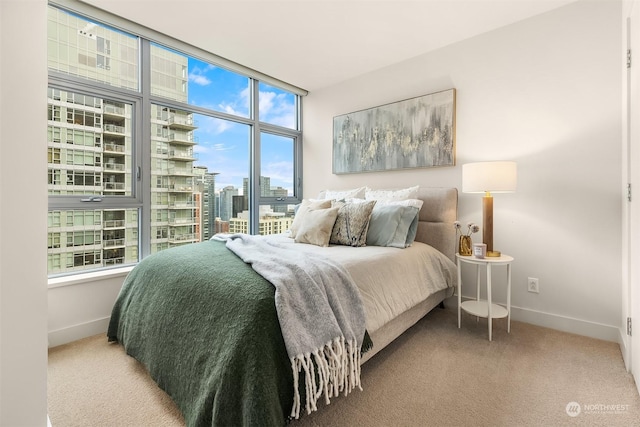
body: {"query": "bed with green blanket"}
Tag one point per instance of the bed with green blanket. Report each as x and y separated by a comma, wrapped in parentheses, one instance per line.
(204, 323)
(214, 346)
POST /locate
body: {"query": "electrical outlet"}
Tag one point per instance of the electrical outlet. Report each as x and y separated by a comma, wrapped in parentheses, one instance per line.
(532, 285)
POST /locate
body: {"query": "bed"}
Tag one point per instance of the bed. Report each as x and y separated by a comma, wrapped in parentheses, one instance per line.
(204, 324)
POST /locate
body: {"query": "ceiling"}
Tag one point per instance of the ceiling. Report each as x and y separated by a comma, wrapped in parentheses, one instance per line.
(317, 43)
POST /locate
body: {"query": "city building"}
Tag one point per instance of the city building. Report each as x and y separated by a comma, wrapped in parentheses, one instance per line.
(271, 222)
(175, 209)
(90, 153)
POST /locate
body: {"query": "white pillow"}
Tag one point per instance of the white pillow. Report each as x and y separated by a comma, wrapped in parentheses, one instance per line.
(305, 207)
(403, 194)
(416, 203)
(357, 193)
(316, 227)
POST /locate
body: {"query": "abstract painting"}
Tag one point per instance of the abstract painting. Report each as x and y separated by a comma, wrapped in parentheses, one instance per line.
(414, 133)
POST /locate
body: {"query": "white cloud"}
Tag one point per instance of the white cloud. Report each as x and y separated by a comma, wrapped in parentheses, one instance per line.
(266, 103)
(241, 101)
(229, 109)
(199, 79)
(212, 125)
(200, 149)
(222, 125)
(222, 147)
(198, 76)
(276, 109)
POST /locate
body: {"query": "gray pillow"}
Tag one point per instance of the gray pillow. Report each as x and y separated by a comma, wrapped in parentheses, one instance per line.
(413, 229)
(352, 223)
(393, 225)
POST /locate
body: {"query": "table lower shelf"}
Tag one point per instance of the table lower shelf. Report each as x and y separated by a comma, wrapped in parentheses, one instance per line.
(480, 309)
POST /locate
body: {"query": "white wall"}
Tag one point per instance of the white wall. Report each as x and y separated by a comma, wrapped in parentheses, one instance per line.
(80, 306)
(544, 92)
(23, 203)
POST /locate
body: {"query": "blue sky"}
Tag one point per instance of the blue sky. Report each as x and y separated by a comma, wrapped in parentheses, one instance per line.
(223, 145)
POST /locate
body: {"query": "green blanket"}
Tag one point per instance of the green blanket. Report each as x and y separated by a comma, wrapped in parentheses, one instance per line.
(204, 324)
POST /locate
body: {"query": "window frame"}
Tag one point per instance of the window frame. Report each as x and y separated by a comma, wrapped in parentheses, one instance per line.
(62, 82)
(142, 100)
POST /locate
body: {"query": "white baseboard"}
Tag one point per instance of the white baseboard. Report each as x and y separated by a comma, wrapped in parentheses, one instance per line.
(560, 323)
(547, 320)
(76, 332)
(566, 324)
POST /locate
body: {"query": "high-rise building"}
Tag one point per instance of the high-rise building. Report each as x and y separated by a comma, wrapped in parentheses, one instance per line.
(206, 186)
(237, 206)
(273, 219)
(173, 186)
(265, 189)
(89, 153)
(226, 202)
(90, 144)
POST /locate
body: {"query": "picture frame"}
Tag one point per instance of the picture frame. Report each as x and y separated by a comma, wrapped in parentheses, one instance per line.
(414, 133)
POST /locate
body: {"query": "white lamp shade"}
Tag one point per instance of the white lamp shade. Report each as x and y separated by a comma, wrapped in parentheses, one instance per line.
(493, 177)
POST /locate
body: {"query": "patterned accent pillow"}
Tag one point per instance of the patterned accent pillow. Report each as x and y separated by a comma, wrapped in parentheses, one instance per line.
(352, 223)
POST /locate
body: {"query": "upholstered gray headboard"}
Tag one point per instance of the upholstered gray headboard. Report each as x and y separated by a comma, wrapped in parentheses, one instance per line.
(438, 213)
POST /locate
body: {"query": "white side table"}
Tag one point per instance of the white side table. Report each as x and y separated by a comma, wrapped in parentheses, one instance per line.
(485, 308)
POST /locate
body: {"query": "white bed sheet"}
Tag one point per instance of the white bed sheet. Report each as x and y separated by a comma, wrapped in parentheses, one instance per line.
(391, 280)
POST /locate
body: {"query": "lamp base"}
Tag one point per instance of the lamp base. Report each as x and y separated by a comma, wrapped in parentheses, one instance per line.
(494, 254)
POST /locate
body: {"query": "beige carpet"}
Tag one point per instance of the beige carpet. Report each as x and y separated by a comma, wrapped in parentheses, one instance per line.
(433, 375)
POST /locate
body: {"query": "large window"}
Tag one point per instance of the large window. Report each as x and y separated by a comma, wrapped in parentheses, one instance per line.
(153, 145)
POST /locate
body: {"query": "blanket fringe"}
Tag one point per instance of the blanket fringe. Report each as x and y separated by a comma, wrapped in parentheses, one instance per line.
(336, 370)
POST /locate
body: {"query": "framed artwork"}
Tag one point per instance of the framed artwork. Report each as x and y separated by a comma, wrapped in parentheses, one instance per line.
(414, 133)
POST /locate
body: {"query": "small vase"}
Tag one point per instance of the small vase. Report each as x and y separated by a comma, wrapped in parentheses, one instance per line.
(464, 247)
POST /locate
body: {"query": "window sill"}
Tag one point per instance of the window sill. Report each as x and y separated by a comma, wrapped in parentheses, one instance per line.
(82, 278)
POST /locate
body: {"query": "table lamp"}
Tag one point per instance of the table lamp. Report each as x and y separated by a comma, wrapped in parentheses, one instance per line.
(487, 178)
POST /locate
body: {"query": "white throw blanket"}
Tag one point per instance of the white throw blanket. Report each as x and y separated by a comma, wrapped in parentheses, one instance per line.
(320, 311)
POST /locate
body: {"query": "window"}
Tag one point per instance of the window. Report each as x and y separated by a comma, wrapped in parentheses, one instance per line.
(53, 240)
(103, 45)
(74, 44)
(278, 107)
(149, 153)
